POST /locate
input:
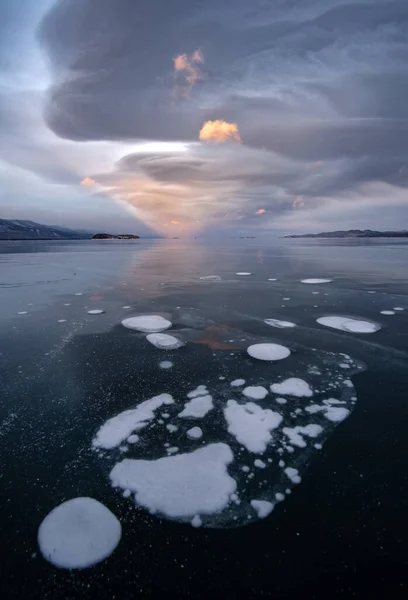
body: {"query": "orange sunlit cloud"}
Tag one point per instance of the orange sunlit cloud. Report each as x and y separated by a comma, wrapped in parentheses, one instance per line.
(298, 202)
(260, 211)
(219, 131)
(88, 181)
(174, 222)
(189, 68)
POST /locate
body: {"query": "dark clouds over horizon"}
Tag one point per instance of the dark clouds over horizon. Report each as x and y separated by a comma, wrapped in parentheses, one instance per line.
(318, 91)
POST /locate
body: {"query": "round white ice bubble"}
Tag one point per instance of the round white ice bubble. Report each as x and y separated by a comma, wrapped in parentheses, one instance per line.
(268, 351)
(349, 324)
(388, 312)
(315, 281)
(279, 324)
(147, 323)
(243, 273)
(78, 534)
(96, 311)
(164, 341)
(165, 364)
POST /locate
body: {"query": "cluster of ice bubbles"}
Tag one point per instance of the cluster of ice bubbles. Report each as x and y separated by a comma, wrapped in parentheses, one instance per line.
(230, 454)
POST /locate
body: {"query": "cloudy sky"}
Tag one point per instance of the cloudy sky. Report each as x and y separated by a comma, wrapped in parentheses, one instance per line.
(228, 116)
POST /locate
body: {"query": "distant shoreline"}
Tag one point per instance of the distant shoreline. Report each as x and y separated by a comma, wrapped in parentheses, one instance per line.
(352, 234)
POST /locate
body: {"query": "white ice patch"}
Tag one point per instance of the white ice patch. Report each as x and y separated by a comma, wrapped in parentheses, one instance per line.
(279, 324)
(62, 320)
(198, 407)
(243, 273)
(147, 323)
(171, 428)
(211, 278)
(201, 390)
(262, 507)
(292, 387)
(22, 312)
(314, 281)
(195, 433)
(251, 425)
(237, 383)
(118, 428)
(336, 413)
(182, 486)
(268, 351)
(272, 279)
(79, 294)
(78, 533)
(96, 311)
(293, 475)
(349, 324)
(295, 434)
(397, 308)
(164, 341)
(388, 312)
(165, 364)
(255, 392)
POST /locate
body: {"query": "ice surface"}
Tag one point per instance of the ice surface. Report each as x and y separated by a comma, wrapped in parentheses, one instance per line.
(182, 486)
(251, 425)
(268, 351)
(313, 281)
(237, 382)
(295, 434)
(279, 324)
(95, 311)
(292, 387)
(147, 323)
(164, 341)
(262, 507)
(195, 433)
(256, 392)
(118, 428)
(78, 533)
(349, 324)
(198, 407)
(165, 364)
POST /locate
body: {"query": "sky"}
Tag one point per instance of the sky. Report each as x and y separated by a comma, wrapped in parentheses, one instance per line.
(190, 117)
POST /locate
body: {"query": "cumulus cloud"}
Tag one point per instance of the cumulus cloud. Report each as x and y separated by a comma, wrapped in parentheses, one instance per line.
(188, 71)
(260, 211)
(219, 131)
(88, 181)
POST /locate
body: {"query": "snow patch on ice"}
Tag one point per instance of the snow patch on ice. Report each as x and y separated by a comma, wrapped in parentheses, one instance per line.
(118, 428)
(198, 407)
(180, 486)
(78, 533)
(256, 392)
(262, 507)
(251, 425)
(292, 387)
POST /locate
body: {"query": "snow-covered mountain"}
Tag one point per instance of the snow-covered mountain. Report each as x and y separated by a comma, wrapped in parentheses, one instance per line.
(16, 229)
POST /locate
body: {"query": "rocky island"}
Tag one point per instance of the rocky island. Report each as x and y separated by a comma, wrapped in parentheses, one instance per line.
(353, 233)
(111, 236)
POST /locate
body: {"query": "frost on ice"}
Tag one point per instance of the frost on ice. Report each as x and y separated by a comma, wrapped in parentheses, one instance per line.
(164, 341)
(78, 533)
(268, 352)
(118, 428)
(292, 387)
(147, 323)
(279, 324)
(349, 324)
(182, 486)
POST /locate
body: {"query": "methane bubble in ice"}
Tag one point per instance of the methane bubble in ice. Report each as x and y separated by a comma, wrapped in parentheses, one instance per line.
(164, 341)
(349, 324)
(78, 533)
(268, 351)
(147, 323)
